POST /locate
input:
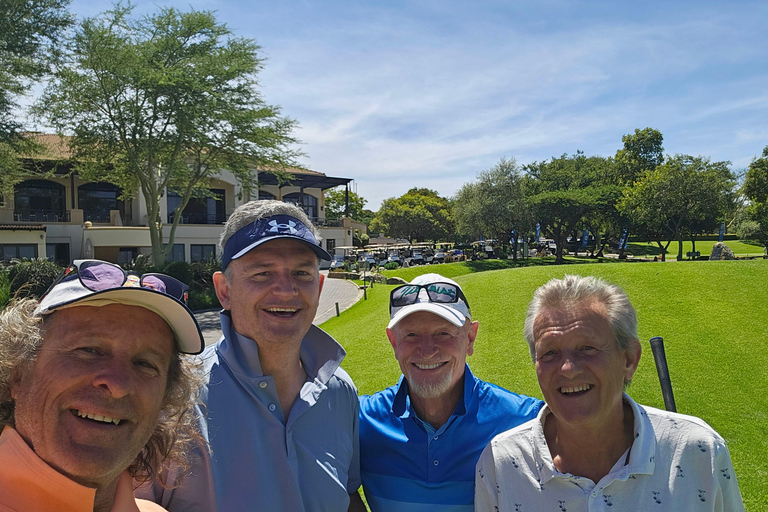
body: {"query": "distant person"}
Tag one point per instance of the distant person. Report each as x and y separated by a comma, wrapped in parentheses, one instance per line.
(592, 447)
(279, 412)
(93, 390)
(420, 439)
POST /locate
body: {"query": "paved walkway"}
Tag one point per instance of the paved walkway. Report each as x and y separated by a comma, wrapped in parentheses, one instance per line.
(346, 293)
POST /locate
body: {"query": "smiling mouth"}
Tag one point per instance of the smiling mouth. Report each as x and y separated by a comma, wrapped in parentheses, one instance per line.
(96, 417)
(282, 312)
(432, 366)
(575, 389)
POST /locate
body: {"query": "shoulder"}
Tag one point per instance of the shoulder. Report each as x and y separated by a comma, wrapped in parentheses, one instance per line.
(672, 428)
(148, 506)
(378, 403)
(506, 401)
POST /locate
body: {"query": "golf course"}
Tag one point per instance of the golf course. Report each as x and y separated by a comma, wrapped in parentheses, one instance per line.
(713, 316)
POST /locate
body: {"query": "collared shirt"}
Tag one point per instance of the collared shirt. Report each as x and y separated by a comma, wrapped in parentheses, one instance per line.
(28, 484)
(257, 459)
(407, 465)
(676, 462)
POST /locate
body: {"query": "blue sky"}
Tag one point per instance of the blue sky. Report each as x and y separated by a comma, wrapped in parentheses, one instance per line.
(402, 94)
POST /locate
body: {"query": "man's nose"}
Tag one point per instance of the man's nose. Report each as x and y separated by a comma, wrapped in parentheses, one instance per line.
(116, 377)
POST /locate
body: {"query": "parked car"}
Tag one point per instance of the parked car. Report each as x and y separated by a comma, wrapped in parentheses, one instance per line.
(338, 262)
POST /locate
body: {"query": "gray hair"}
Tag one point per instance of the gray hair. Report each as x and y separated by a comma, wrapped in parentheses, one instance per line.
(22, 334)
(571, 291)
(254, 210)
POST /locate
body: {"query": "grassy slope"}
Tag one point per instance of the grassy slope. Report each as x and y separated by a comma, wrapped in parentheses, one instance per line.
(703, 246)
(712, 316)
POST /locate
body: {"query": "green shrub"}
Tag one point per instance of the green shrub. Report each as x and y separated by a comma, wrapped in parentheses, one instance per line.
(201, 299)
(181, 270)
(31, 278)
(391, 265)
(141, 265)
(5, 289)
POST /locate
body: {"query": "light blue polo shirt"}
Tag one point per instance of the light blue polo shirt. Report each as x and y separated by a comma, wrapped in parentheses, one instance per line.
(258, 461)
(408, 466)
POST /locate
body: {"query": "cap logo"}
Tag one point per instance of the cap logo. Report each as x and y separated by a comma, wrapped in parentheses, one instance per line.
(289, 228)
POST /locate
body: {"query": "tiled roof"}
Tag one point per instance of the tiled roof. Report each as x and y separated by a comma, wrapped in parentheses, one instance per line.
(55, 146)
(17, 227)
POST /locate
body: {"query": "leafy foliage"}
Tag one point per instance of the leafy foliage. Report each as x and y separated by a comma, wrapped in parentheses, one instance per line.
(420, 214)
(684, 195)
(335, 205)
(642, 152)
(165, 101)
(31, 278)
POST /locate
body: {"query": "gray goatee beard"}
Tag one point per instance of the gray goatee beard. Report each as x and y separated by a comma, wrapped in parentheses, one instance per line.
(432, 389)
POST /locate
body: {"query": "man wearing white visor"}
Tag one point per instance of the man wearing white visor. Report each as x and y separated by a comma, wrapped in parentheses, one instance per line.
(420, 439)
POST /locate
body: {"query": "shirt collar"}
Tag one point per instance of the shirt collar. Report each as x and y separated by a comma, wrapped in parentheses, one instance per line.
(320, 354)
(401, 405)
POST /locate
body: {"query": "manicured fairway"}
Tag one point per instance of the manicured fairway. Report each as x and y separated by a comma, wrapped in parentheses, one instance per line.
(713, 317)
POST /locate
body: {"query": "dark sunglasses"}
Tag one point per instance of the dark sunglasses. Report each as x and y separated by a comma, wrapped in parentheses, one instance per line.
(444, 293)
(97, 275)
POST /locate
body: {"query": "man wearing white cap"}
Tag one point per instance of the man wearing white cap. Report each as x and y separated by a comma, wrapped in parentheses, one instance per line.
(420, 439)
(278, 411)
(93, 391)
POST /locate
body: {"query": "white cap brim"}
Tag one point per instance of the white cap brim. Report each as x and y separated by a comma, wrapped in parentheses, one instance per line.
(189, 338)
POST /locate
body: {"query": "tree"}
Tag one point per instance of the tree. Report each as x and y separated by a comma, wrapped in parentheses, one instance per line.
(493, 204)
(30, 35)
(685, 195)
(564, 191)
(420, 214)
(755, 189)
(335, 205)
(642, 152)
(166, 101)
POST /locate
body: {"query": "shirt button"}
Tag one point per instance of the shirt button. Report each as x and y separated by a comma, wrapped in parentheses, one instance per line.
(262, 385)
(435, 438)
(435, 462)
(272, 407)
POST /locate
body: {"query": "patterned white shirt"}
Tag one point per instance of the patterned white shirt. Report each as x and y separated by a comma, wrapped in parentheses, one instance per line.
(676, 462)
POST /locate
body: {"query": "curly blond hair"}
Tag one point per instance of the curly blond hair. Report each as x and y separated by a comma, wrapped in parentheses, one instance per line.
(22, 334)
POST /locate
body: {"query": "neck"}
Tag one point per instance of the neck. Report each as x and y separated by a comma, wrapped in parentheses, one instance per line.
(105, 497)
(590, 451)
(436, 411)
(283, 363)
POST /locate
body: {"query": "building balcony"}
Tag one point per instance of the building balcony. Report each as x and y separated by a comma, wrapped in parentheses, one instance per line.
(42, 215)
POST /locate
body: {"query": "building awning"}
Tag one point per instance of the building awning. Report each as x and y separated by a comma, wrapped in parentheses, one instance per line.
(305, 180)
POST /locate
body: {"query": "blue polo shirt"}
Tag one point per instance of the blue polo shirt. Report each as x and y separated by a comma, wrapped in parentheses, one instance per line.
(407, 466)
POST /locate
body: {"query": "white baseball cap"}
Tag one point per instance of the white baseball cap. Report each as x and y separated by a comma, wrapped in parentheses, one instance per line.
(447, 302)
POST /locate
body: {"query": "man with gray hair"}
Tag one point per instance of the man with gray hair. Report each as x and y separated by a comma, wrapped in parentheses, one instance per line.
(278, 411)
(593, 447)
(93, 389)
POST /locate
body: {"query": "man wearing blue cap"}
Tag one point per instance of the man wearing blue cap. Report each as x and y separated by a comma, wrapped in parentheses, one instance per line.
(420, 439)
(279, 413)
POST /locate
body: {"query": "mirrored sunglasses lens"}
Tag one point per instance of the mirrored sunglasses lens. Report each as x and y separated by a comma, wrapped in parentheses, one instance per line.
(98, 276)
(404, 295)
(154, 283)
(442, 292)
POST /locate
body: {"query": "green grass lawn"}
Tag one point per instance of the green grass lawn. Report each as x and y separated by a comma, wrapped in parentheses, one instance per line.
(651, 249)
(713, 317)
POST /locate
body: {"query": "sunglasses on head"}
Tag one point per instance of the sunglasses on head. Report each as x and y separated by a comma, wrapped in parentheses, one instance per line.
(97, 276)
(443, 293)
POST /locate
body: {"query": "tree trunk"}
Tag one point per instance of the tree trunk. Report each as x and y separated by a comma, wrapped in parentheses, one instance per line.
(680, 246)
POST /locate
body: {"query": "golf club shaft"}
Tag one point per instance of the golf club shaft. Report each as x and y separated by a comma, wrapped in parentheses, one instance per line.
(657, 347)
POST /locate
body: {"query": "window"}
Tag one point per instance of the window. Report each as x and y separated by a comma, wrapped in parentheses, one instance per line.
(330, 245)
(263, 194)
(96, 200)
(57, 253)
(199, 210)
(306, 201)
(18, 251)
(202, 252)
(126, 255)
(177, 253)
(39, 200)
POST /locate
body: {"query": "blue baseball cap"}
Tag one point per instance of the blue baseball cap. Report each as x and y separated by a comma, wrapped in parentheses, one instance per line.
(267, 229)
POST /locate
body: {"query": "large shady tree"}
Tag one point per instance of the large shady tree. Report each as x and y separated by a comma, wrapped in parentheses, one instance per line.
(168, 100)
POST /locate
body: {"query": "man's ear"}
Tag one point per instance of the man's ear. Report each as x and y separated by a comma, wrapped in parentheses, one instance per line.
(472, 334)
(391, 336)
(322, 282)
(221, 285)
(632, 359)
